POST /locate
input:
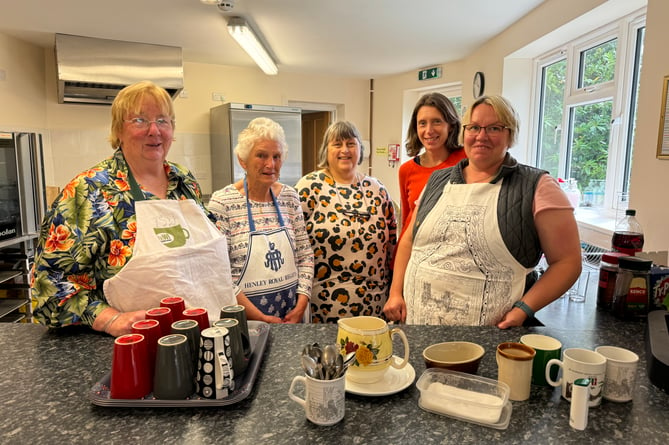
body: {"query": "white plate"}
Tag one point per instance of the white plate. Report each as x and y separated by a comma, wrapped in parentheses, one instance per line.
(394, 380)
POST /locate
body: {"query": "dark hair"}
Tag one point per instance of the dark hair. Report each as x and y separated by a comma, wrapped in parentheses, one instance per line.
(448, 112)
(339, 131)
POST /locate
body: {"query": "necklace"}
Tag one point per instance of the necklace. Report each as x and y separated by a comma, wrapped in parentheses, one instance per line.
(349, 209)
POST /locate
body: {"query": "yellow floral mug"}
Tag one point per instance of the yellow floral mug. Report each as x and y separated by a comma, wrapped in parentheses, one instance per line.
(372, 341)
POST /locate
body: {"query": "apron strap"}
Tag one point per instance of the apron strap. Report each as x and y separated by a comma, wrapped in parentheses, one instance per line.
(135, 189)
(138, 194)
(252, 225)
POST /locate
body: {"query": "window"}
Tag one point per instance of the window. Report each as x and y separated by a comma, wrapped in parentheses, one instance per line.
(586, 110)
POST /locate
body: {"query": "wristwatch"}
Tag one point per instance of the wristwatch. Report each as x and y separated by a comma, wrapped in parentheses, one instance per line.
(525, 308)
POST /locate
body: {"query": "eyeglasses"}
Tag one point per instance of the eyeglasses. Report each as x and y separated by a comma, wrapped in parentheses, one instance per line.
(143, 124)
(364, 216)
(491, 130)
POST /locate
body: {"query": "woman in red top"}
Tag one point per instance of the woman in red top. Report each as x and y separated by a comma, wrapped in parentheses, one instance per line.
(434, 126)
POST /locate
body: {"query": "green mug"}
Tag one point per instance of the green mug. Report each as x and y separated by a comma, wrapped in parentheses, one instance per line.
(175, 236)
(546, 348)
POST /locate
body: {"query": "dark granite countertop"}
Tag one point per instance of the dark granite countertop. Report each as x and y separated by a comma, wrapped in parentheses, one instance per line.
(46, 377)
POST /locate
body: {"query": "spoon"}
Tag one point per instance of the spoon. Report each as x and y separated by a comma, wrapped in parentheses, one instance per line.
(315, 352)
(339, 366)
(329, 359)
(309, 366)
(348, 359)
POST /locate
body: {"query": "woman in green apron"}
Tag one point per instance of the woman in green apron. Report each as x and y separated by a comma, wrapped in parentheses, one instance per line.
(130, 231)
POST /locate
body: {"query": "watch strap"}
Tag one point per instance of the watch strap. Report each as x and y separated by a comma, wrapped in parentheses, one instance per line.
(525, 308)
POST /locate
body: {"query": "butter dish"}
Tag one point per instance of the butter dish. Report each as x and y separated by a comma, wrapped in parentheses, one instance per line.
(467, 397)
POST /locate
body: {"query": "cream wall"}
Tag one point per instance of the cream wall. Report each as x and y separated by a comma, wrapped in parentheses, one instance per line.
(650, 176)
(390, 112)
(22, 88)
(76, 135)
(501, 59)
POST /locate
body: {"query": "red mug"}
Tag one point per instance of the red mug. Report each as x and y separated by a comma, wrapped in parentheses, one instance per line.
(130, 375)
(150, 329)
(198, 314)
(164, 316)
(176, 304)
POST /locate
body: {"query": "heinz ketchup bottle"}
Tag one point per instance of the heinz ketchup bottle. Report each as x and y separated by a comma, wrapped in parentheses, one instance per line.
(628, 235)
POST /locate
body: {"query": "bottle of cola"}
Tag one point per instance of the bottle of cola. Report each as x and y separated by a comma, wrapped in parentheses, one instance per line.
(628, 234)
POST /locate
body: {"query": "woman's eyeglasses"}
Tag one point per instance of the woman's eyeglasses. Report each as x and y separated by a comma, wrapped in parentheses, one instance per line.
(364, 216)
(141, 123)
(491, 130)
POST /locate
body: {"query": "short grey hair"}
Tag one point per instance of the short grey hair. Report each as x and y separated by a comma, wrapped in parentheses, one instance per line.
(338, 131)
(260, 129)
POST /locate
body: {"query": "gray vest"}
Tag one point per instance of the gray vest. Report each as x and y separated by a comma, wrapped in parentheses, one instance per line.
(514, 207)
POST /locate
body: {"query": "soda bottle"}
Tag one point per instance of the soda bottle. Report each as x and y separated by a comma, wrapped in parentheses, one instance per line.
(628, 235)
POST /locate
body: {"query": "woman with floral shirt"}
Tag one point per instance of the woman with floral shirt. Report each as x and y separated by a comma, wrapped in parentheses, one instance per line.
(134, 202)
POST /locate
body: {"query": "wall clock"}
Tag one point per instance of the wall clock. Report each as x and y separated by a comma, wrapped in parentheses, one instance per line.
(478, 84)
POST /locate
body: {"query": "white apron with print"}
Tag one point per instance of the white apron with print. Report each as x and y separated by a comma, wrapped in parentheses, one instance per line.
(178, 251)
(460, 271)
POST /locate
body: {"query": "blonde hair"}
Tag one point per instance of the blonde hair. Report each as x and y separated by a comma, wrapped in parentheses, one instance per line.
(129, 100)
(506, 114)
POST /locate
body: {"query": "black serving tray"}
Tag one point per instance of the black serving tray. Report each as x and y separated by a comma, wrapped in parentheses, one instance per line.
(258, 333)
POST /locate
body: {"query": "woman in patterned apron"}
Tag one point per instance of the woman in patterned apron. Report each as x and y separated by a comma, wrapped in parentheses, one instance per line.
(130, 230)
(479, 231)
(271, 259)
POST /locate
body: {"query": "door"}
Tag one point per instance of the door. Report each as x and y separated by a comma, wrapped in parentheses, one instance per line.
(314, 124)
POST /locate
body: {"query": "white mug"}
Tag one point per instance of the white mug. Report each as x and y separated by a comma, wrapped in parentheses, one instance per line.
(324, 399)
(578, 363)
(620, 373)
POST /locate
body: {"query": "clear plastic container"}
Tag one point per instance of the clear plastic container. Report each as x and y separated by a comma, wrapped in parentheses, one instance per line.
(465, 396)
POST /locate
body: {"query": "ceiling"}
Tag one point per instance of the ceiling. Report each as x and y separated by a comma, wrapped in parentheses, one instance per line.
(357, 38)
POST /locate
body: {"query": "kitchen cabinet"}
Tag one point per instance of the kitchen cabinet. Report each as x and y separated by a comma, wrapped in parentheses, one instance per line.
(15, 264)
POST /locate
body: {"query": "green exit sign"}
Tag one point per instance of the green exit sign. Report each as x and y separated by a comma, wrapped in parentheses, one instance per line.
(430, 73)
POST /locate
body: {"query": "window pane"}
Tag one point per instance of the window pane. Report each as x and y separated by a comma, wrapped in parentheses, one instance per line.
(457, 103)
(598, 64)
(590, 126)
(552, 109)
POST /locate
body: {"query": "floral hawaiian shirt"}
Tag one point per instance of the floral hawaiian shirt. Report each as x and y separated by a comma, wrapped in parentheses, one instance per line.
(88, 236)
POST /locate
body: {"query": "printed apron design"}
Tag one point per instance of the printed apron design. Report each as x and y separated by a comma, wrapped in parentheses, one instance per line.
(460, 271)
(178, 251)
(269, 276)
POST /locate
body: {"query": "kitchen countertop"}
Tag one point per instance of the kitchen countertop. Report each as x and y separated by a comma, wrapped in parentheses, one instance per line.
(46, 377)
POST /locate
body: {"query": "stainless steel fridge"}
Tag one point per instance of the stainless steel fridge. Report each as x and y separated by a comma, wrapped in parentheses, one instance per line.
(22, 186)
(228, 119)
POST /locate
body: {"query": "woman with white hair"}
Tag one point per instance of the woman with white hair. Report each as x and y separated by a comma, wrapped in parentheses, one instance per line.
(270, 255)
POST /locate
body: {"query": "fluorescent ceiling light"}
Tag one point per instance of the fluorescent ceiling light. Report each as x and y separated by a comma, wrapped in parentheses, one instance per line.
(244, 35)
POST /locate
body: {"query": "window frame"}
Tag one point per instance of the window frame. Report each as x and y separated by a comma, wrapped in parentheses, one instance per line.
(620, 90)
